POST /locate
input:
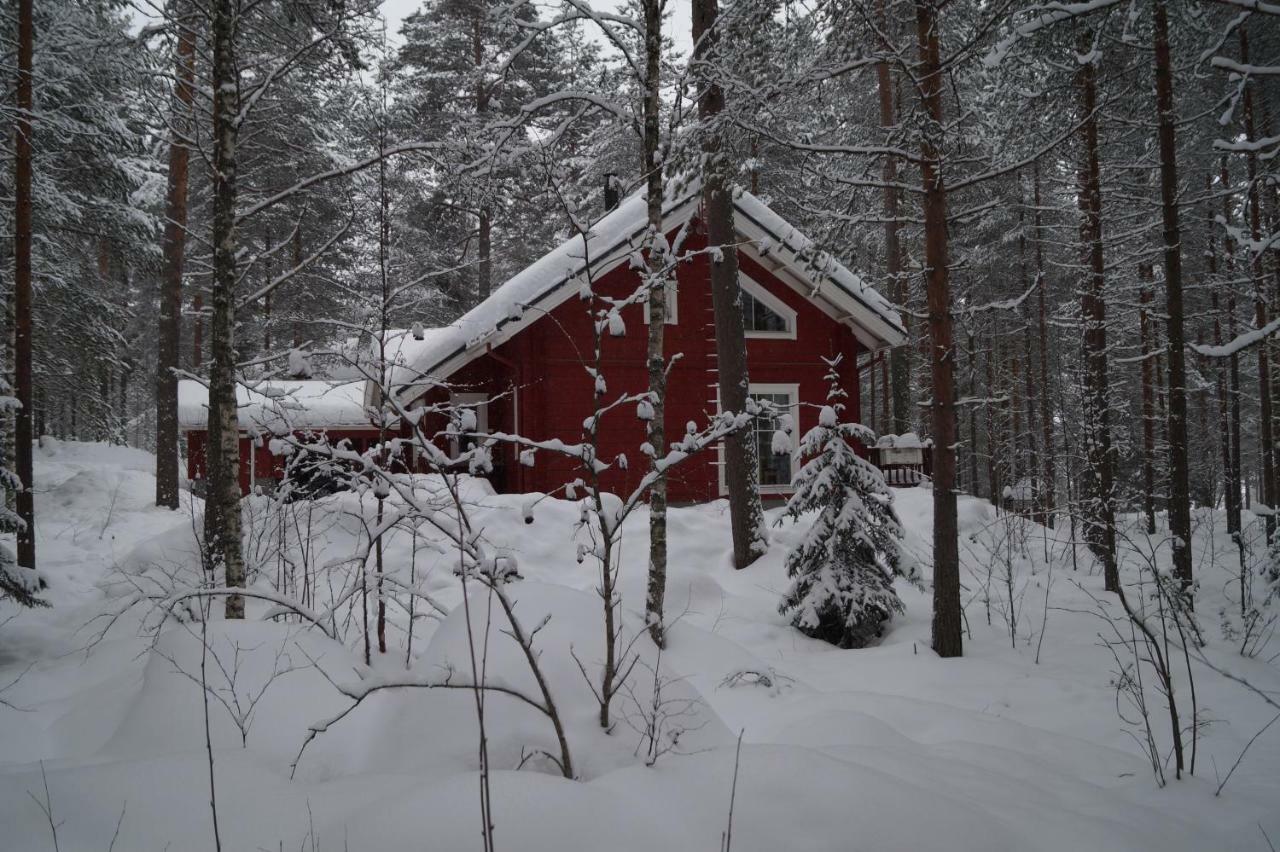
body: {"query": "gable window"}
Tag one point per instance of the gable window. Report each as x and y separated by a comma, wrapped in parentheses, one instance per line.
(764, 314)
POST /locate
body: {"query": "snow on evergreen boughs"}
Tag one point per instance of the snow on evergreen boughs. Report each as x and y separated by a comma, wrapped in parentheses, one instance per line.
(16, 582)
(842, 572)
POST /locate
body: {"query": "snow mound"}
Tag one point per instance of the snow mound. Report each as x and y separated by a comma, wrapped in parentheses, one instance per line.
(434, 730)
(263, 689)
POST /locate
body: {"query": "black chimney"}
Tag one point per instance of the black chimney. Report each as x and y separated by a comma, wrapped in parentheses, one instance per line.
(610, 192)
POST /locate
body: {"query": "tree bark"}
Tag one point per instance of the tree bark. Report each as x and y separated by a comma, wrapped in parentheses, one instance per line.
(1228, 377)
(657, 307)
(484, 236)
(1146, 275)
(947, 612)
(22, 289)
(741, 466)
(1179, 504)
(197, 331)
(900, 357)
(1267, 488)
(169, 332)
(1099, 514)
(222, 503)
(1049, 459)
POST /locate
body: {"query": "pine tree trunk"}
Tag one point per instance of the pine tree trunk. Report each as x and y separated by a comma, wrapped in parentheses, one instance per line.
(1230, 471)
(741, 467)
(1267, 489)
(197, 331)
(1099, 515)
(657, 307)
(484, 269)
(1179, 505)
(947, 612)
(1148, 400)
(222, 503)
(22, 289)
(900, 357)
(1049, 491)
(169, 331)
(994, 489)
(974, 486)
(484, 237)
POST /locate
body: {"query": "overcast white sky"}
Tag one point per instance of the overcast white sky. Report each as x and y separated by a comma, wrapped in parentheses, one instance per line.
(396, 11)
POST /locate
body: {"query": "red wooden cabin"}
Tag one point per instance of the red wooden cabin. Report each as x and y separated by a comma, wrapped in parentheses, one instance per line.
(519, 356)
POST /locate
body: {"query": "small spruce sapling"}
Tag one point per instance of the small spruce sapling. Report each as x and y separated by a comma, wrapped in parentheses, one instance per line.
(17, 582)
(842, 573)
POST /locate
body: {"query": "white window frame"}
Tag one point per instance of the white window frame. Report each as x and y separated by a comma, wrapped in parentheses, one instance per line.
(792, 390)
(478, 401)
(773, 303)
(672, 288)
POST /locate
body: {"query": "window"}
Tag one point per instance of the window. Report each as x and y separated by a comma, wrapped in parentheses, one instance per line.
(480, 403)
(763, 314)
(776, 470)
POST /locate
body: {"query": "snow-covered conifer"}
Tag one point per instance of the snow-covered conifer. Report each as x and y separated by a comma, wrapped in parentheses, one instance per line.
(16, 582)
(842, 572)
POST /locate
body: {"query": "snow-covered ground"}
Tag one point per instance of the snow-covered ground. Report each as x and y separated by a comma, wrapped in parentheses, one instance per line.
(879, 749)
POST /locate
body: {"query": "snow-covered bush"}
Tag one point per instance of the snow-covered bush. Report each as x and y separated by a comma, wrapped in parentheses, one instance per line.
(843, 570)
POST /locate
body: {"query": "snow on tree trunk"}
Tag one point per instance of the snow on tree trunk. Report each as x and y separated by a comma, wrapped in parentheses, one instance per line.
(1231, 433)
(1148, 399)
(1265, 432)
(169, 330)
(741, 466)
(657, 273)
(222, 502)
(1179, 475)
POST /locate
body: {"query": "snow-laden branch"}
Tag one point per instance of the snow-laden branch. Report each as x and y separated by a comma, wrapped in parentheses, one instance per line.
(1003, 304)
(1052, 13)
(318, 620)
(1242, 342)
(1228, 64)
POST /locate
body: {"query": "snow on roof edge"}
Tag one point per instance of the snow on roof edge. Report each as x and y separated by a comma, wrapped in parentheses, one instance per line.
(281, 405)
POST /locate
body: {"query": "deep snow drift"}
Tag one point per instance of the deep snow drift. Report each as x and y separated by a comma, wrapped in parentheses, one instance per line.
(879, 749)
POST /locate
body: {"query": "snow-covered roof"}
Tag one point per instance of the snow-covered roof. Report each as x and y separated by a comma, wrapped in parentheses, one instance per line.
(905, 441)
(556, 277)
(281, 405)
